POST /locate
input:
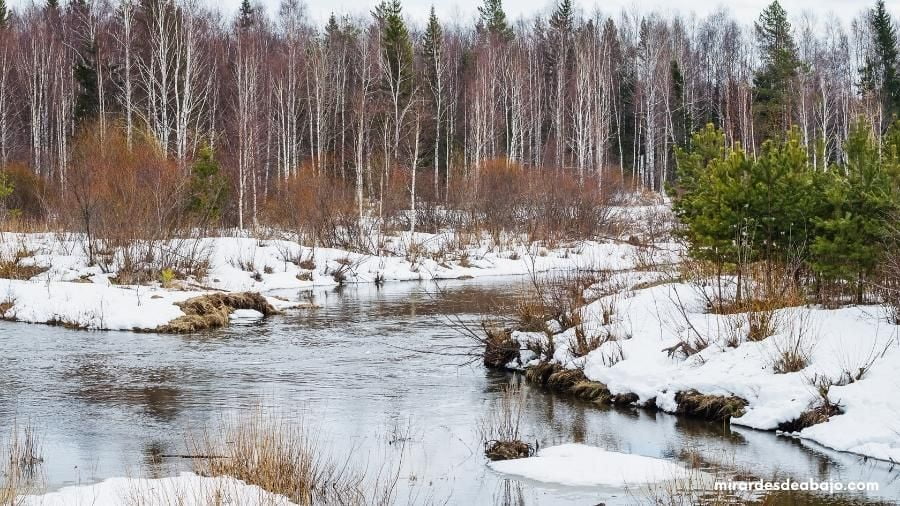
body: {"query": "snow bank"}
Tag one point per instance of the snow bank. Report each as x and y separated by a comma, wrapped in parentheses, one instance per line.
(580, 465)
(74, 293)
(839, 343)
(188, 489)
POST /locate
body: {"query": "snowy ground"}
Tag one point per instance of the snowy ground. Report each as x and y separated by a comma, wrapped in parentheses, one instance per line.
(839, 344)
(579, 465)
(74, 293)
(187, 489)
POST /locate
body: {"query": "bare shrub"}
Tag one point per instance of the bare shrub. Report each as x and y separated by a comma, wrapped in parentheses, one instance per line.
(321, 210)
(613, 354)
(794, 349)
(129, 202)
(690, 340)
(499, 427)
(499, 346)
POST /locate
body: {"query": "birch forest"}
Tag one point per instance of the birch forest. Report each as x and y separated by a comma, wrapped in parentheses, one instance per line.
(254, 118)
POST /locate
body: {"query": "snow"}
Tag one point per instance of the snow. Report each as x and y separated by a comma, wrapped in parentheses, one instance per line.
(77, 294)
(581, 465)
(839, 343)
(187, 489)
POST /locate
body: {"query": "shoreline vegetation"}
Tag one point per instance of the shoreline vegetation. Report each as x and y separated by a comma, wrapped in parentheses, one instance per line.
(707, 209)
(755, 325)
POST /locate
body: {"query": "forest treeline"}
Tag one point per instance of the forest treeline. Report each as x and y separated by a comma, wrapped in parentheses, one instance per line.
(256, 115)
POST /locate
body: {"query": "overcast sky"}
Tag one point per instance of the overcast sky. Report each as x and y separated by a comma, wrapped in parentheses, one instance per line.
(465, 11)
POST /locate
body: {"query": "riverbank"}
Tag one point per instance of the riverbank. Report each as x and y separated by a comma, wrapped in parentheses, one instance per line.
(50, 278)
(824, 375)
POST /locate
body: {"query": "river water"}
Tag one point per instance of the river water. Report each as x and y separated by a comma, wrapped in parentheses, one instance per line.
(362, 371)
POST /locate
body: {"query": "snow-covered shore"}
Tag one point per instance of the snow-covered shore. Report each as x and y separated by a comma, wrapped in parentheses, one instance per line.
(69, 291)
(186, 489)
(853, 349)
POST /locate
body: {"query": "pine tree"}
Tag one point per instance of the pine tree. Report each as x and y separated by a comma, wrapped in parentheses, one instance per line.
(858, 202)
(780, 200)
(881, 73)
(493, 20)
(772, 83)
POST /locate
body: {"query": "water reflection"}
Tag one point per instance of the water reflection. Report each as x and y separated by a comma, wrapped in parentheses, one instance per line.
(110, 403)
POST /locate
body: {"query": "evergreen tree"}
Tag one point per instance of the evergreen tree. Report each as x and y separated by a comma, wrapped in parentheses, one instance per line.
(709, 199)
(4, 14)
(881, 73)
(858, 202)
(85, 71)
(493, 20)
(208, 187)
(53, 5)
(87, 101)
(562, 19)
(737, 209)
(682, 122)
(431, 47)
(781, 201)
(246, 15)
(780, 66)
(396, 45)
(332, 28)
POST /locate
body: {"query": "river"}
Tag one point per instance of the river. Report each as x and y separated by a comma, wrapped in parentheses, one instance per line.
(377, 372)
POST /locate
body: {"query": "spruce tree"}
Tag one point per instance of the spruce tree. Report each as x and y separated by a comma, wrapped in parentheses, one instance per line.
(85, 70)
(332, 28)
(87, 101)
(4, 14)
(246, 15)
(493, 20)
(881, 73)
(562, 19)
(780, 66)
(682, 121)
(396, 45)
(431, 46)
(208, 187)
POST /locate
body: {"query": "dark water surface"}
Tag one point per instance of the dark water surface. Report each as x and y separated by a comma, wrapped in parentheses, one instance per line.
(104, 403)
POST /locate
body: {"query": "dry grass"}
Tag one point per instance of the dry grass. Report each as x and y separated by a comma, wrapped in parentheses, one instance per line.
(13, 266)
(282, 458)
(499, 347)
(710, 407)
(213, 310)
(20, 465)
(581, 343)
(794, 349)
(499, 428)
